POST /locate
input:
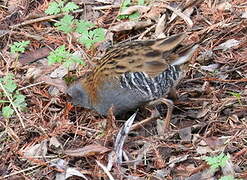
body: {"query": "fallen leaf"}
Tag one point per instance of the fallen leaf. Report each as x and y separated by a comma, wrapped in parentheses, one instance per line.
(66, 171)
(210, 67)
(89, 150)
(60, 72)
(32, 56)
(54, 142)
(131, 25)
(217, 143)
(130, 10)
(185, 134)
(59, 83)
(228, 44)
(37, 150)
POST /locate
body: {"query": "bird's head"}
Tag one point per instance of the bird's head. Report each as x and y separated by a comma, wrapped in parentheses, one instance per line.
(78, 95)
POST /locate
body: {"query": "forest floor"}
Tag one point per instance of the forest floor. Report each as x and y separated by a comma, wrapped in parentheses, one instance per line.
(43, 136)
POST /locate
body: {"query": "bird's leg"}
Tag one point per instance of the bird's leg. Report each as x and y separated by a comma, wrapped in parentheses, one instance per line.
(169, 104)
(154, 115)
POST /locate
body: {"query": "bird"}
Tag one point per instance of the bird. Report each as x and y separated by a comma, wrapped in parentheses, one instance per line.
(133, 74)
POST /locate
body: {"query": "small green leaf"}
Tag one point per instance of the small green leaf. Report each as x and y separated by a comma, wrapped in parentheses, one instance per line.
(217, 161)
(83, 26)
(19, 46)
(98, 34)
(66, 24)
(141, 2)
(86, 41)
(125, 5)
(60, 55)
(57, 56)
(19, 101)
(91, 37)
(54, 8)
(70, 6)
(237, 95)
(7, 111)
(8, 83)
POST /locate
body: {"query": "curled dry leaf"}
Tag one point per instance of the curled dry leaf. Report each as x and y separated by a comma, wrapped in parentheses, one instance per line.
(155, 12)
(60, 72)
(210, 67)
(228, 44)
(89, 150)
(188, 21)
(131, 25)
(34, 55)
(132, 9)
(36, 150)
(159, 29)
(54, 142)
(59, 83)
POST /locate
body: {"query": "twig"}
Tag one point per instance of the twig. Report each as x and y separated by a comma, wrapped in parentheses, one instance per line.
(31, 85)
(146, 31)
(11, 102)
(180, 14)
(106, 7)
(21, 171)
(105, 170)
(42, 19)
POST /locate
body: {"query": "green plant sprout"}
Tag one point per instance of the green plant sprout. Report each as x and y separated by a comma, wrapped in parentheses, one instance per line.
(60, 6)
(89, 38)
(237, 96)
(10, 94)
(125, 4)
(19, 47)
(217, 161)
(89, 35)
(66, 24)
(61, 55)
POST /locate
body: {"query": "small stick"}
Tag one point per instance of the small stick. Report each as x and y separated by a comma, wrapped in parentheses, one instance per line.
(42, 19)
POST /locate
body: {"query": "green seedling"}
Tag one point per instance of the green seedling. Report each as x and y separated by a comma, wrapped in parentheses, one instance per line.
(127, 3)
(61, 55)
(10, 93)
(19, 47)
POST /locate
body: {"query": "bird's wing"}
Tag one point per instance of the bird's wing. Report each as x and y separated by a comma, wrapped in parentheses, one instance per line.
(151, 57)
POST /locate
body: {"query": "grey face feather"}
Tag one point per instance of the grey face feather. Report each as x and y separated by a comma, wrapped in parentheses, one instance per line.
(78, 95)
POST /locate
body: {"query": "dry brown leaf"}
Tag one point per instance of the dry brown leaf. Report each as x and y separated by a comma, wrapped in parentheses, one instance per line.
(59, 83)
(89, 150)
(36, 150)
(154, 13)
(185, 134)
(132, 9)
(34, 55)
(130, 25)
